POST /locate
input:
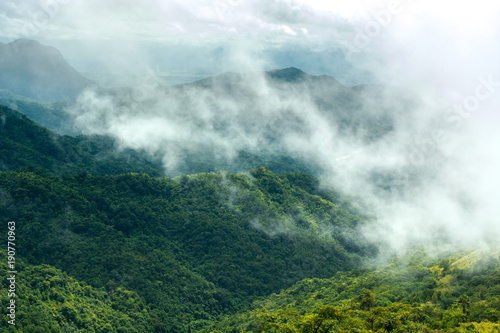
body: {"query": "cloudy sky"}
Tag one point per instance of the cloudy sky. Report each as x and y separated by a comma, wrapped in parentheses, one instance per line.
(191, 22)
(143, 30)
(181, 36)
(340, 38)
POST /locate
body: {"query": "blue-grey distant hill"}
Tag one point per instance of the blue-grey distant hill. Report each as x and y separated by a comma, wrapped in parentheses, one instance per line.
(40, 72)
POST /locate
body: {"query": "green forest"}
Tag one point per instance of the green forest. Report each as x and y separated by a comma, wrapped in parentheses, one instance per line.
(105, 242)
(411, 293)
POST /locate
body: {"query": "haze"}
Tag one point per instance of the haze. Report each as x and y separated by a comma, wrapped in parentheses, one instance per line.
(443, 154)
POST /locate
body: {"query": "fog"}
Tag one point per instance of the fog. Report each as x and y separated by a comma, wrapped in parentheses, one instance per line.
(441, 161)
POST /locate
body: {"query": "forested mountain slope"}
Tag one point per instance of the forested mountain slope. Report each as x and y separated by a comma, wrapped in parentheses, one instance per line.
(53, 116)
(194, 247)
(49, 300)
(228, 241)
(24, 145)
(411, 293)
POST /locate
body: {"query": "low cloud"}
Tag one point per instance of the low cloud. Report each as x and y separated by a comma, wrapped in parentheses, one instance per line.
(432, 178)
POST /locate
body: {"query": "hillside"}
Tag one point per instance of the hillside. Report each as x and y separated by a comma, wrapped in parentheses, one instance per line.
(412, 293)
(40, 72)
(52, 116)
(24, 145)
(239, 236)
(354, 110)
(199, 252)
(49, 300)
(194, 247)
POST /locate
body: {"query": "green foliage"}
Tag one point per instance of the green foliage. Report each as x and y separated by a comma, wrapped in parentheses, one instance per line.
(366, 300)
(48, 300)
(51, 116)
(106, 250)
(402, 298)
(26, 146)
(194, 248)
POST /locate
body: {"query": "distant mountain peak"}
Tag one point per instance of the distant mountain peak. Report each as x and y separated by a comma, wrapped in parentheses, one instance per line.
(25, 41)
(23, 47)
(37, 71)
(290, 74)
(288, 70)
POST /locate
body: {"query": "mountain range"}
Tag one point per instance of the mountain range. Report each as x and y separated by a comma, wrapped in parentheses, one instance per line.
(107, 242)
(39, 74)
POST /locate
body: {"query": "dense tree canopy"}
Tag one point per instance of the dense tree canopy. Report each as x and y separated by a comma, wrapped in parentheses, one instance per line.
(107, 243)
(193, 247)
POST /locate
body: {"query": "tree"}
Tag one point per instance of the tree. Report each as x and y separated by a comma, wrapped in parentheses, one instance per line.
(464, 302)
(366, 300)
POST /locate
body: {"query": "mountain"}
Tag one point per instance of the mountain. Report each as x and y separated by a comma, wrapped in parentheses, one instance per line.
(40, 72)
(187, 250)
(353, 109)
(108, 243)
(24, 145)
(56, 302)
(410, 293)
(52, 116)
(193, 248)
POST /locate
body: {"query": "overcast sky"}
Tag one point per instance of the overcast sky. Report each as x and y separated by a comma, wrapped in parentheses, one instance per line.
(333, 35)
(180, 36)
(192, 22)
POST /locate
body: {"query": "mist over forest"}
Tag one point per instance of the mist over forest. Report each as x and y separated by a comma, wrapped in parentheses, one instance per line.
(233, 165)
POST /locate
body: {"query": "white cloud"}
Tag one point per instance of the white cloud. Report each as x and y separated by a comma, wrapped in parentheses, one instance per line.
(440, 52)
